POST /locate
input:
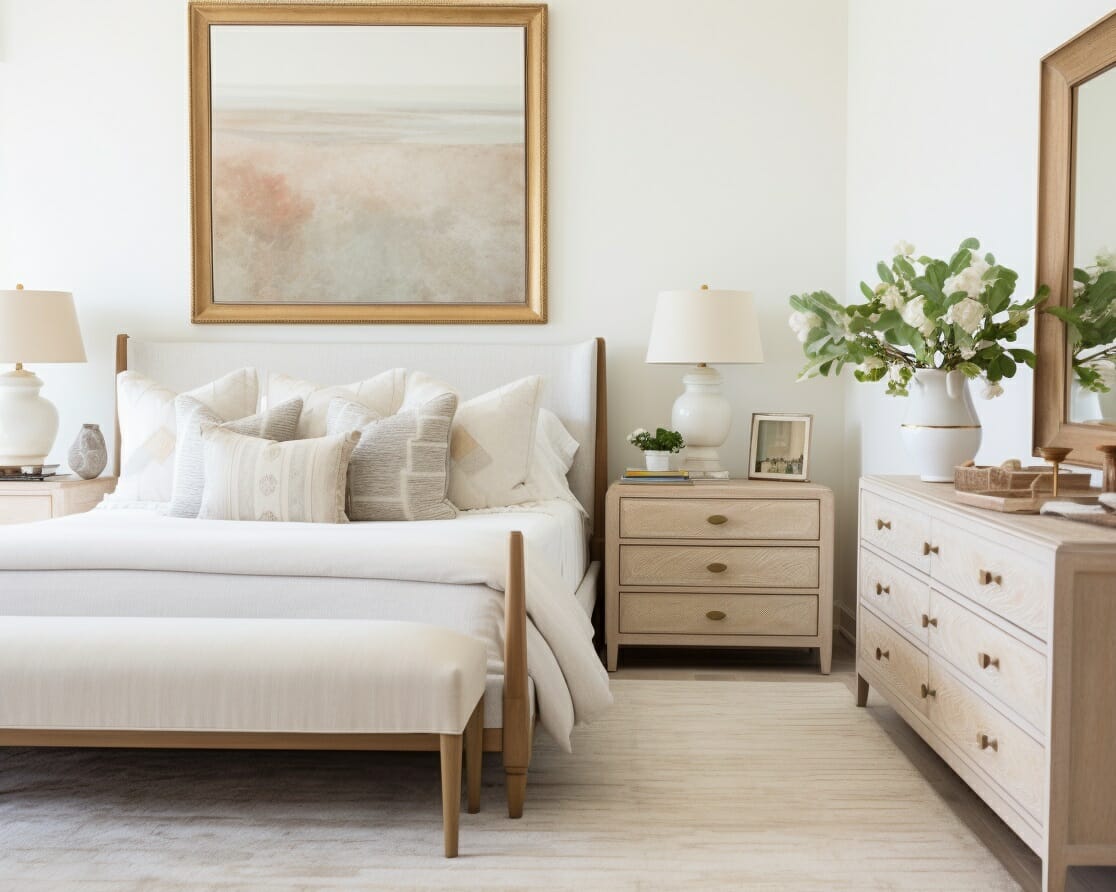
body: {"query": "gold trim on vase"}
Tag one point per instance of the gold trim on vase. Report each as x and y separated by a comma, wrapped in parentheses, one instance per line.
(940, 427)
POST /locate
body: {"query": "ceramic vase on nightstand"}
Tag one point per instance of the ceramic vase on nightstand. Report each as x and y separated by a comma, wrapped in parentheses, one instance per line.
(89, 455)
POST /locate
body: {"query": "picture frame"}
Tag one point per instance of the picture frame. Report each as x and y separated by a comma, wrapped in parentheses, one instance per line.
(368, 162)
(780, 446)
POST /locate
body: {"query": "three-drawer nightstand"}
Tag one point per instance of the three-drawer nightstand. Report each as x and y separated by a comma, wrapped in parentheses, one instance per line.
(23, 501)
(735, 563)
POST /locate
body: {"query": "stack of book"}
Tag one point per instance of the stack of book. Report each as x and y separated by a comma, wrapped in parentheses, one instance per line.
(640, 475)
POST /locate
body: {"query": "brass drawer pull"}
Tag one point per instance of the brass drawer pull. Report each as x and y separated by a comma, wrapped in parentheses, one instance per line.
(927, 548)
(883, 524)
(988, 743)
(927, 692)
(929, 621)
(987, 660)
(987, 577)
(716, 568)
(717, 519)
(882, 589)
(883, 654)
(715, 615)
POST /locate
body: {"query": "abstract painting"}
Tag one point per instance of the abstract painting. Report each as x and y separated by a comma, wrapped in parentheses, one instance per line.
(368, 163)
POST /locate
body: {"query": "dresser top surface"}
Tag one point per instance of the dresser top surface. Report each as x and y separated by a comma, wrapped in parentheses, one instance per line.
(1054, 530)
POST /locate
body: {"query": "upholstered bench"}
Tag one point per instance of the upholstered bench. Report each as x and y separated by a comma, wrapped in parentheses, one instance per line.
(270, 683)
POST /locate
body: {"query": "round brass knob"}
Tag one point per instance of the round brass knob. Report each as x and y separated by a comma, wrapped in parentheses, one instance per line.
(716, 568)
(715, 614)
(716, 519)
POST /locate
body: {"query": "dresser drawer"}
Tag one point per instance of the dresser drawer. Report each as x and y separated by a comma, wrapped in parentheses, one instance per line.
(720, 519)
(708, 565)
(994, 660)
(700, 613)
(902, 665)
(898, 529)
(24, 509)
(990, 740)
(1006, 581)
(895, 593)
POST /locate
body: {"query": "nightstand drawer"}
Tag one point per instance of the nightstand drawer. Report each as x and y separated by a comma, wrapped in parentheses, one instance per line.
(720, 519)
(712, 614)
(710, 565)
(24, 509)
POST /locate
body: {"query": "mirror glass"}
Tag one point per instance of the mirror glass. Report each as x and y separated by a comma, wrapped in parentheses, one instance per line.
(1091, 319)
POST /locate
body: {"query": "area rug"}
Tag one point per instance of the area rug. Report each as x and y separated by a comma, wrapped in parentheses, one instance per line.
(747, 785)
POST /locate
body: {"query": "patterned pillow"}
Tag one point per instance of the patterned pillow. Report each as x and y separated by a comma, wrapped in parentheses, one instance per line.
(248, 478)
(279, 423)
(383, 394)
(400, 468)
(145, 411)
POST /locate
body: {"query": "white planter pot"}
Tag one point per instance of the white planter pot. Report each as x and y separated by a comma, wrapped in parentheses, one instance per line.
(657, 461)
(941, 429)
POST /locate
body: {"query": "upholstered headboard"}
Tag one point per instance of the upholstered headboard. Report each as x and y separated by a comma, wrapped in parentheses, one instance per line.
(574, 374)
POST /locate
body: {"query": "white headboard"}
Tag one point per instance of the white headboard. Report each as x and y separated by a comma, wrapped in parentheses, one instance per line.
(573, 373)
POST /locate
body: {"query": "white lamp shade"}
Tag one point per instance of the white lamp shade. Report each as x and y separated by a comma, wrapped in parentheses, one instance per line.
(39, 326)
(690, 327)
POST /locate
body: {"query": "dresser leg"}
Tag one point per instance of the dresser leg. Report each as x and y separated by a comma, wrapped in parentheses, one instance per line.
(861, 690)
(611, 653)
(1053, 875)
(825, 657)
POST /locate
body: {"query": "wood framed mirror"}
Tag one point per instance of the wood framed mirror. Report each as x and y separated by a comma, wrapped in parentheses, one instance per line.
(1075, 345)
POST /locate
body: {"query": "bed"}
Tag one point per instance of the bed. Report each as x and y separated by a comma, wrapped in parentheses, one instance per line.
(532, 609)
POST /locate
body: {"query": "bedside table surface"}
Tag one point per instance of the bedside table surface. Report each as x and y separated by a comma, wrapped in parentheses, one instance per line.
(59, 481)
(26, 501)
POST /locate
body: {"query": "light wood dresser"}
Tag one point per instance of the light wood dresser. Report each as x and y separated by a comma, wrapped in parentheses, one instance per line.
(994, 637)
(735, 563)
(23, 501)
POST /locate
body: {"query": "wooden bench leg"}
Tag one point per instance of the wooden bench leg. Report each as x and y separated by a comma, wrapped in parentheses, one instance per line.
(474, 753)
(450, 748)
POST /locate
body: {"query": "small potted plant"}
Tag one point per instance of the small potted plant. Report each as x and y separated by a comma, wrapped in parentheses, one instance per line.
(657, 447)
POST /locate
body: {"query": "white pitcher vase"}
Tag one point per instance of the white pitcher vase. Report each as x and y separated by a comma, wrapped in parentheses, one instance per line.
(941, 429)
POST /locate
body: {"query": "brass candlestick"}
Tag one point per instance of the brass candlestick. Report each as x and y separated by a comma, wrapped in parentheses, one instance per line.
(1055, 455)
(1108, 482)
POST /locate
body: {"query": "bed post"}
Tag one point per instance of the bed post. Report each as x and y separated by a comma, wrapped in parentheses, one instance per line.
(121, 366)
(517, 708)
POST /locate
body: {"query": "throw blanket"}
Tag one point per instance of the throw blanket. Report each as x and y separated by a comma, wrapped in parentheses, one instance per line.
(570, 682)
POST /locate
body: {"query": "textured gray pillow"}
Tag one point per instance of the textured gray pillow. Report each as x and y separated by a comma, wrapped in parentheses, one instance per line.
(279, 423)
(400, 468)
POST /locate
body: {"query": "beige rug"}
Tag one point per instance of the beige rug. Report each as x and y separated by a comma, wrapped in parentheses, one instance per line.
(684, 785)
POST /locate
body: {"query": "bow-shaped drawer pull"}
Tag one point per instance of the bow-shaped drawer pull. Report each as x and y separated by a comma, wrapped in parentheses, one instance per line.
(988, 743)
(882, 589)
(883, 524)
(883, 654)
(715, 615)
(716, 568)
(716, 519)
(927, 691)
(927, 548)
(929, 621)
(987, 577)
(987, 660)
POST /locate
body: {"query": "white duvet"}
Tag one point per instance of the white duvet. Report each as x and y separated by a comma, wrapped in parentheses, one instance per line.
(570, 682)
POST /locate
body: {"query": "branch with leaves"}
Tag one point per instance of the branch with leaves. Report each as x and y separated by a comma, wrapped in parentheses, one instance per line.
(1091, 323)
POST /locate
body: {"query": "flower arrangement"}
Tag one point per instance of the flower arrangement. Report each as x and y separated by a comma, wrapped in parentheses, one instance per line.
(924, 313)
(660, 441)
(1091, 321)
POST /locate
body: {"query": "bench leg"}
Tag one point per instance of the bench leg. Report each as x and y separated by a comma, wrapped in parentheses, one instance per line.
(450, 747)
(474, 754)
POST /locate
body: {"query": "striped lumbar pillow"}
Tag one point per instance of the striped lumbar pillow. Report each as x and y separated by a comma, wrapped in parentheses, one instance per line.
(400, 468)
(279, 423)
(248, 478)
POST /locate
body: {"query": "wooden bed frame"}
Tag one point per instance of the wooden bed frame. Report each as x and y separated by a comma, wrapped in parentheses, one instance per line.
(514, 739)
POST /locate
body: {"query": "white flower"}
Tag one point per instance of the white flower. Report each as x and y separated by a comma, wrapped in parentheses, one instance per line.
(803, 323)
(1018, 317)
(968, 314)
(991, 390)
(979, 264)
(967, 353)
(1078, 288)
(1106, 258)
(637, 432)
(968, 280)
(914, 314)
(905, 249)
(872, 362)
(892, 299)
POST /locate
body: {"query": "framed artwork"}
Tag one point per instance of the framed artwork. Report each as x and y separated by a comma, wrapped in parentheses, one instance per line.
(368, 162)
(780, 447)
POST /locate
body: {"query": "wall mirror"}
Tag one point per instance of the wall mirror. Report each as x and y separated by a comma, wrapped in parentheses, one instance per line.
(1075, 375)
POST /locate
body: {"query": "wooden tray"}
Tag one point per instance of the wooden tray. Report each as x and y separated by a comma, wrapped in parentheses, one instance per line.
(1025, 501)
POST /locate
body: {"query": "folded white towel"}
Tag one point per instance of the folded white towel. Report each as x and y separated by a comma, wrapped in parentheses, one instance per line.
(1108, 499)
(1066, 509)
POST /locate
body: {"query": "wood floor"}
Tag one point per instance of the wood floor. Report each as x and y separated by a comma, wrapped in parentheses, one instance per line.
(799, 665)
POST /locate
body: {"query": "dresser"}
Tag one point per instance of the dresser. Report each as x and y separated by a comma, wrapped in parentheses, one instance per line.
(23, 501)
(994, 637)
(732, 563)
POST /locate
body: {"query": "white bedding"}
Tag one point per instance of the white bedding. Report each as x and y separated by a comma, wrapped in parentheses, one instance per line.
(450, 573)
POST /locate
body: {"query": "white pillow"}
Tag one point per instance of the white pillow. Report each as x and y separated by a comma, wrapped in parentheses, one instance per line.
(492, 441)
(383, 394)
(551, 462)
(147, 428)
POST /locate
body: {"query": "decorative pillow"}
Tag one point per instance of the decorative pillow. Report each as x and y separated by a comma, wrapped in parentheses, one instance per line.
(383, 394)
(551, 461)
(492, 441)
(147, 427)
(279, 423)
(400, 468)
(248, 478)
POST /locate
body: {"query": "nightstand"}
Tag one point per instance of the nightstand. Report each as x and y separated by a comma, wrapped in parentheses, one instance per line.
(22, 501)
(735, 563)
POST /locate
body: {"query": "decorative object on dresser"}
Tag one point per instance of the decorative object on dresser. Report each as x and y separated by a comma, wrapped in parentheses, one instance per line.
(657, 447)
(927, 332)
(992, 636)
(1015, 489)
(35, 326)
(780, 447)
(24, 501)
(734, 564)
(88, 455)
(1108, 476)
(337, 176)
(696, 328)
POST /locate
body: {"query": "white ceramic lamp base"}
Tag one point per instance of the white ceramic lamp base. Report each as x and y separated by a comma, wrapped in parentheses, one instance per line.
(28, 421)
(704, 417)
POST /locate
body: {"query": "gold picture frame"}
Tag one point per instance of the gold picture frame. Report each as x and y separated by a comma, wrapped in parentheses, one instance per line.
(517, 261)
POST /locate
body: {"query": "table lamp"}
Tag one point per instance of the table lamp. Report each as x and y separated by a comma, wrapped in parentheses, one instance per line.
(700, 328)
(35, 326)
